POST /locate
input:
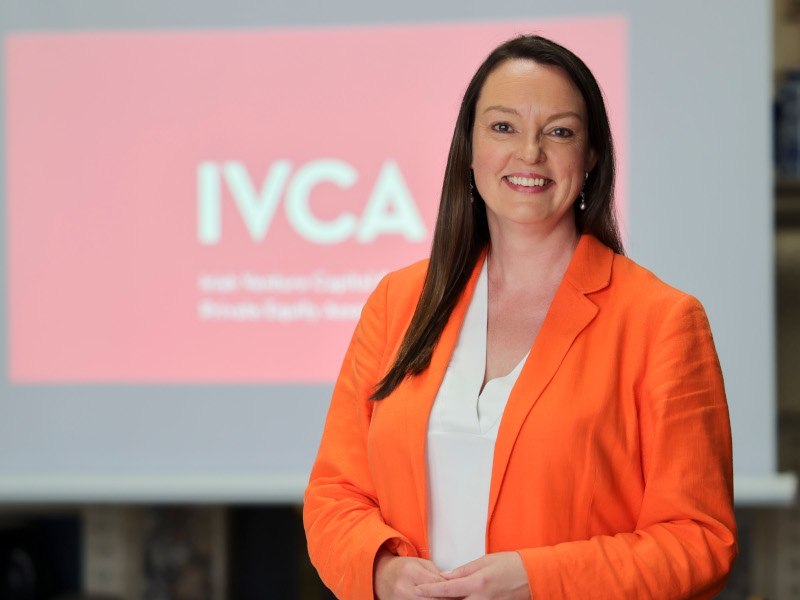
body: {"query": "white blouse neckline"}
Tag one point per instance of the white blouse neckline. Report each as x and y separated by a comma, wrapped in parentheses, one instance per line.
(466, 371)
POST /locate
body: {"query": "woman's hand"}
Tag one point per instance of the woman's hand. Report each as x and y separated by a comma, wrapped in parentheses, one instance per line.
(396, 577)
(499, 576)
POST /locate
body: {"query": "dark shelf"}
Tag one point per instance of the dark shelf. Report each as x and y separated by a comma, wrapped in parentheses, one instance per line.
(787, 203)
(787, 186)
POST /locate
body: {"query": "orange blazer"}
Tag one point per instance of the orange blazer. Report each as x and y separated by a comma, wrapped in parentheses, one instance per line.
(612, 473)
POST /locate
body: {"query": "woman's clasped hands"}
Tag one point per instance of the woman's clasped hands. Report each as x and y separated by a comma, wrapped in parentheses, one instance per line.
(498, 576)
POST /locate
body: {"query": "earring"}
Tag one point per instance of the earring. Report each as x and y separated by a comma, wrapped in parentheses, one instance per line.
(582, 195)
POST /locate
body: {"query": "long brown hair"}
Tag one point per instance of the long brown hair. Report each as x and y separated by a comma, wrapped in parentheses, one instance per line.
(462, 232)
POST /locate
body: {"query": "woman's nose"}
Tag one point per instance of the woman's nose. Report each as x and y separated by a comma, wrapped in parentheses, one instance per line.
(531, 150)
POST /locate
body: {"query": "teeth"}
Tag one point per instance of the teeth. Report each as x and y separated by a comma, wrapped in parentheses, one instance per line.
(527, 181)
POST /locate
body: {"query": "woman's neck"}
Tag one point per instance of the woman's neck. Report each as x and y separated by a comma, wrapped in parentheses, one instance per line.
(519, 259)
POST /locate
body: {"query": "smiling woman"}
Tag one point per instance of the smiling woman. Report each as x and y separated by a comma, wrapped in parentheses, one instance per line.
(528, 414)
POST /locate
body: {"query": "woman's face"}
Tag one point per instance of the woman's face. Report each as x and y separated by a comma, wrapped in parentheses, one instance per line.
(530, 146)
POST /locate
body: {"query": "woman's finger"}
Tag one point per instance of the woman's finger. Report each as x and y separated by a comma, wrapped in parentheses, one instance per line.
(456, 588)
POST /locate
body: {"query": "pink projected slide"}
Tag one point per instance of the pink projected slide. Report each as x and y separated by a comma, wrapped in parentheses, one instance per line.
(188, 207)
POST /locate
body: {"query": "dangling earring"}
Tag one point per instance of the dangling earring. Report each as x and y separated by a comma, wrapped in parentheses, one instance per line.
(582, 195)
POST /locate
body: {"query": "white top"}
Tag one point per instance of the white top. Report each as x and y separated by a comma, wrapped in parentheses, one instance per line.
(461, 434)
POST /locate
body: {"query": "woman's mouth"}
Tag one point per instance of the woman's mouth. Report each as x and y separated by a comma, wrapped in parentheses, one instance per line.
(528, 184)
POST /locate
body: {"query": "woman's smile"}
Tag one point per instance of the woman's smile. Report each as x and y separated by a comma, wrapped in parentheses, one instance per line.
(528, 184)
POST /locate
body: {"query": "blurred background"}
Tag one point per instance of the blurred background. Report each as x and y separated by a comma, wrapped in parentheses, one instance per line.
(196, 198)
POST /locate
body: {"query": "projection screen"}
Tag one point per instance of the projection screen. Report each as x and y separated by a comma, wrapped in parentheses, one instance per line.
(196, 201)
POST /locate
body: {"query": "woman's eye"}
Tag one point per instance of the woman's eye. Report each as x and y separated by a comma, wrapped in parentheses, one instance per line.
(562, 132)
(502, 127)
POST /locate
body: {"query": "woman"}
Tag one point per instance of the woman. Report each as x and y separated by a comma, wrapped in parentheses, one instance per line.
(529, 414)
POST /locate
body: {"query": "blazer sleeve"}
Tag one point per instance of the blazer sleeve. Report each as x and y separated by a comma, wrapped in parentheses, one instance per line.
(343, 523)
(685, 537)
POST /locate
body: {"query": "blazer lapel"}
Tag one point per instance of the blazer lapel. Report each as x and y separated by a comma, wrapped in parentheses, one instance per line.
(569, 313)
(420, 393)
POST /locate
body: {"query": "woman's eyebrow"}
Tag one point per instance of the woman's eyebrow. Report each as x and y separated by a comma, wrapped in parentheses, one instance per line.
(501, 108)
(567, 113)
(512, 111)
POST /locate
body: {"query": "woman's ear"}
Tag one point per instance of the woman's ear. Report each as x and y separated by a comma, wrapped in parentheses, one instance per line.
(592, 160)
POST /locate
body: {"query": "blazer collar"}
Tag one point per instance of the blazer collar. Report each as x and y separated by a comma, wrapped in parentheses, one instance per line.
(590, 267)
